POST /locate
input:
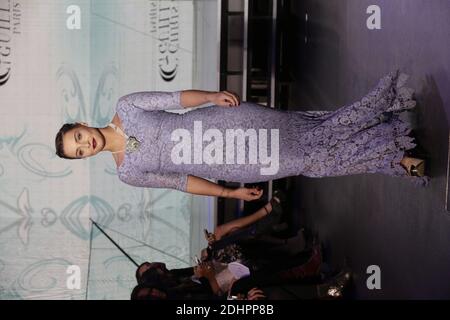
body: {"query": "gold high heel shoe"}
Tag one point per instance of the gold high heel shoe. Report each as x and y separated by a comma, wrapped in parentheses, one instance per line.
(416, 167)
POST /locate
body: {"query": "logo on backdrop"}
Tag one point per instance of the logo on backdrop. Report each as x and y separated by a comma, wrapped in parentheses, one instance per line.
(10, 15)
(164, 23)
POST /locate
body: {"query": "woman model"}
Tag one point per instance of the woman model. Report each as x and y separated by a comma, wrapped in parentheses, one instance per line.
(248, 143)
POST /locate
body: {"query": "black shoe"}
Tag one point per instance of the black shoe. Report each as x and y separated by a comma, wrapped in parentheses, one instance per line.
(277, 207)
(417, 168)
(271, 221)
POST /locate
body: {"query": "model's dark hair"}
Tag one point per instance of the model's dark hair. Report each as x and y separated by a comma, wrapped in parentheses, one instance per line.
(59, 139)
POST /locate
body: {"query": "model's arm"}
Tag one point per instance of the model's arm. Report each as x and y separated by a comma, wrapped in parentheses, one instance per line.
(200, 186)
(150, 101)
(186, 183)
(163, 100)
(194, 98)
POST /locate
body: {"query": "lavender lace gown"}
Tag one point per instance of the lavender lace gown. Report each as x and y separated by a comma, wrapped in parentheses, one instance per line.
(350, 140)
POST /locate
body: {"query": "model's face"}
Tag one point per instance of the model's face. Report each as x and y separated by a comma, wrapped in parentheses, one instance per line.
(83, 141)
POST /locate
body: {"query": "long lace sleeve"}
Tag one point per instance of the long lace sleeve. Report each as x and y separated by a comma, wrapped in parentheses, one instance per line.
(151, 100)
(177, 181)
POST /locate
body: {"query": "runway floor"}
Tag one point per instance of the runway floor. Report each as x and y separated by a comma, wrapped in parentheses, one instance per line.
(374, 219)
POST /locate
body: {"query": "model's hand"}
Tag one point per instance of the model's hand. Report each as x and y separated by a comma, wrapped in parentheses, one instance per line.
(224, 99)
(247, 194)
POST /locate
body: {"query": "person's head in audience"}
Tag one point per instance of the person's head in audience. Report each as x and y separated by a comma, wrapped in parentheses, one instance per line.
(144, 267)
(155, 273)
